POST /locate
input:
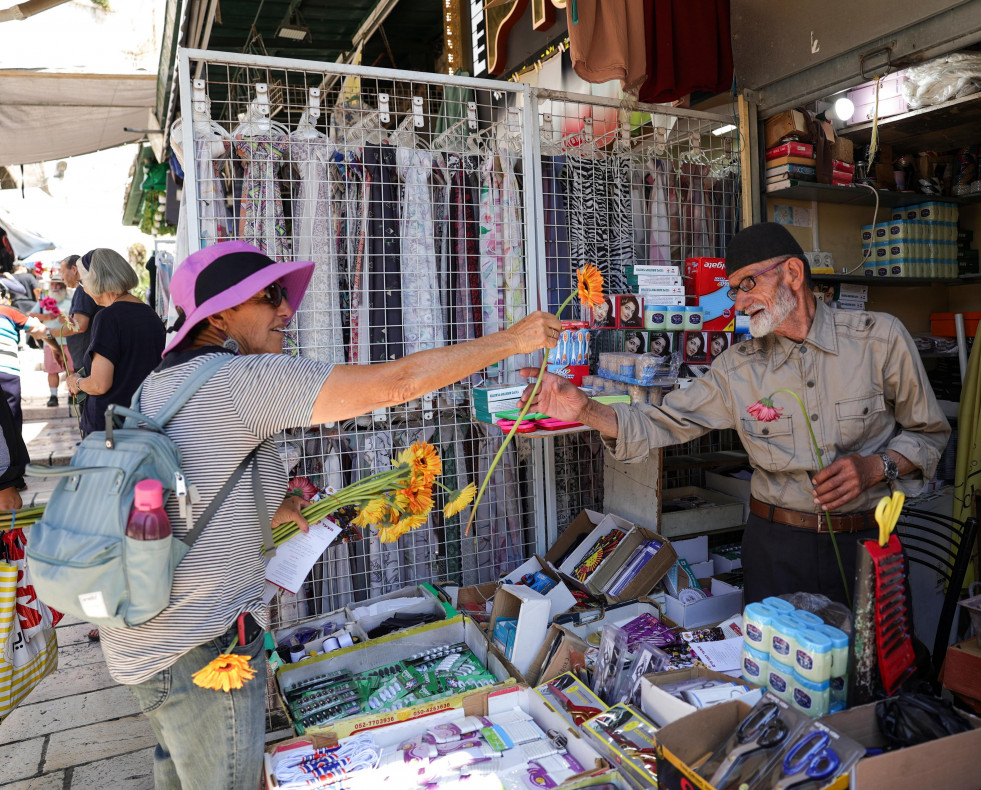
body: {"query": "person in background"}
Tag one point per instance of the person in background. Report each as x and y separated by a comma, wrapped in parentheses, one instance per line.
(867, 397)
(127, 339)
(78, 323)
(30, 283)
(236, 302)
(11, 323)
(56, 357)
(13, 456)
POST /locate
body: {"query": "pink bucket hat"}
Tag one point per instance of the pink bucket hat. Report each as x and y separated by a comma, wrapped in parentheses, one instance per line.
(225, 275)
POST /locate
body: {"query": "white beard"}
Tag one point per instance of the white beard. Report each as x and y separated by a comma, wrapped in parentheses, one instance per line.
(765, 321)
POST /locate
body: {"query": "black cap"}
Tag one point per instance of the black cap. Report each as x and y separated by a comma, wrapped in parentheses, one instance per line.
(760, 242)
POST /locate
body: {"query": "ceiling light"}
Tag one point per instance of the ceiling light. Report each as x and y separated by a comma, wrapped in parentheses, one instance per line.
(844, 108)
(723, 130)
(293, 32)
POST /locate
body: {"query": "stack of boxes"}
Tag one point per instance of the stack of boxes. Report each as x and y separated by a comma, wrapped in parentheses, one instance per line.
(490, 401)
(790, 161)
(967, 258)
(918, 241)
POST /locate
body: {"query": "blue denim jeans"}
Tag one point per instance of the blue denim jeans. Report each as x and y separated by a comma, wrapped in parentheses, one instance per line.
(206, 740)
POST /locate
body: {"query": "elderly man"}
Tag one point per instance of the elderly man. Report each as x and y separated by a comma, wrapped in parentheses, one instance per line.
(866, 397)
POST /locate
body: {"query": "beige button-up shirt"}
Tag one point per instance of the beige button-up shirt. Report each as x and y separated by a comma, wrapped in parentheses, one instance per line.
(863, 387)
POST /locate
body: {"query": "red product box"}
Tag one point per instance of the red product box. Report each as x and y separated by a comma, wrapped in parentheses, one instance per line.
(805, 150)
(843, 181)
(629, 310)
(842, 167)
(572, 372)
(707, 286)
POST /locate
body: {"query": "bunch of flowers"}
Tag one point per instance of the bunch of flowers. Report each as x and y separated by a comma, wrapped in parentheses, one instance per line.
(589, 289)
(49, 304)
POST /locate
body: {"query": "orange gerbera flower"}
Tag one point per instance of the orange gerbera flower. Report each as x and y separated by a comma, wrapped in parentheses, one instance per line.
(420, 498)
(427, 462)
(228, 671)
(589, 285)
(390, 533)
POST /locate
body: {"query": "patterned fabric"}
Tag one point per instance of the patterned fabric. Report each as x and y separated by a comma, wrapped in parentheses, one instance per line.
(420, 290)
(261, 220)
(558, 267)
(319, 316)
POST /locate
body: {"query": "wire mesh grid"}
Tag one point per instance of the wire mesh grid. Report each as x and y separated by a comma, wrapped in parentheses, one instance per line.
(436, 210)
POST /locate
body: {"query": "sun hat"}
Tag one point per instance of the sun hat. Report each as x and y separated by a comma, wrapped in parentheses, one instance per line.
(225, 275)
(760, 242)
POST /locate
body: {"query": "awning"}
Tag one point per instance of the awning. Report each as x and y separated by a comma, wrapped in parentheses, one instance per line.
(25, 242)
(49, 115)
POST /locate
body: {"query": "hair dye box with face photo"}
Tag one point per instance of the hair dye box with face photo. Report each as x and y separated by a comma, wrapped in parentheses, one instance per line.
(628, 301)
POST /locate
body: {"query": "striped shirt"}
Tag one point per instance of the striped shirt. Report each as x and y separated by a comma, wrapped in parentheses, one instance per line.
(245, 404)
(11, 322)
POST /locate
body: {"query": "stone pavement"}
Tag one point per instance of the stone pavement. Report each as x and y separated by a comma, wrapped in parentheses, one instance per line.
(78, 729)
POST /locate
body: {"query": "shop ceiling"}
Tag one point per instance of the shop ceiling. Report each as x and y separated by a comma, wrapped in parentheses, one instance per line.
(402, 35)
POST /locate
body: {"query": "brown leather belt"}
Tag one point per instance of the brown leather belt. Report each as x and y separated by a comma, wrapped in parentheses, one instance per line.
(843, 522)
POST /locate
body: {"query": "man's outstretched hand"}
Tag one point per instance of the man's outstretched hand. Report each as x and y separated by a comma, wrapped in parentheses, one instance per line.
(557, 397)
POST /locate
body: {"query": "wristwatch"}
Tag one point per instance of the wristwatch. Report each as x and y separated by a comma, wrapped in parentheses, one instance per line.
(889, 468)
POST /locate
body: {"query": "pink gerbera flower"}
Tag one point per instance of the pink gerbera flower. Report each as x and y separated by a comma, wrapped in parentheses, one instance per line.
(303, 487)
(764, 410)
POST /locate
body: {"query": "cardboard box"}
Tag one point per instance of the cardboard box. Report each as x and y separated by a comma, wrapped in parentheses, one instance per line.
(723, 481)
(582, 524)
(477, 600)
(962, 669)
(532, 610)
(950, 763)
(719, 512)
(805, 150)
(391, 648)
(560, 596)
(606, 525)
(561, 652)
(785, 124)
(652, 572)
(582, 624)
(724, 602)
(477, 703)
(843, 150)
(663, 708)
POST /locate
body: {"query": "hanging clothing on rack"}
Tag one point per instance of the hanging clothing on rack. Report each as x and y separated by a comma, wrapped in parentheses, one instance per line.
(211, 149)
(663, 215)
(314, 239)
(375, 452)
(694, 217)
(261, 219)
(383, 255)
(420, 287)
(499, 544)
(590, 225)
(466, 321)
(638, 211)
(491, 247)
(621, 249)
(558, 267)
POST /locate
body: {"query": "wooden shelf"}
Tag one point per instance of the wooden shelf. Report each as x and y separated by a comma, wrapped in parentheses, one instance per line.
(860, 196)
(940, 127)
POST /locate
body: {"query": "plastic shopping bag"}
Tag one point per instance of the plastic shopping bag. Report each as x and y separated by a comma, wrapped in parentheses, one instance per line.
(28, 647)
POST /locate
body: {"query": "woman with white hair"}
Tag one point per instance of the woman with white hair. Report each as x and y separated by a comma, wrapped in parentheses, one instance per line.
(127, 338)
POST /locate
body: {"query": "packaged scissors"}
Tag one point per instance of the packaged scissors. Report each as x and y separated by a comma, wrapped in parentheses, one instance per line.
(811, 760)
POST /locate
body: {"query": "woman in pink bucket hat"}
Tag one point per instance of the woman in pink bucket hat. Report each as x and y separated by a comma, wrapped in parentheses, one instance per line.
(235, 302)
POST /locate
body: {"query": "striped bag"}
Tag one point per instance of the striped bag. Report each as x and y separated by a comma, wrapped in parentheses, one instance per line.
(28, 647)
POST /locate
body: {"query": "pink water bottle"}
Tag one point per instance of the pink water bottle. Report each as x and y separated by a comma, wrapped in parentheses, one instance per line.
(148, 520)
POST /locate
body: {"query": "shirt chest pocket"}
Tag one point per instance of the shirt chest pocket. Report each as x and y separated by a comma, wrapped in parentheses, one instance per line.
(855, 415)
(770, 445)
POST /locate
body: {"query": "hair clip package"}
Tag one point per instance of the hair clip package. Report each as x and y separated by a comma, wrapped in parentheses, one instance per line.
(648, 658)
(610, 672)
(571, 699)
(627, 739)
(755, 744)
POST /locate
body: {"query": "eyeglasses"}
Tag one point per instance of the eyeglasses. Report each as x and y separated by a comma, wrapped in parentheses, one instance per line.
(747, 284)
(274, 294)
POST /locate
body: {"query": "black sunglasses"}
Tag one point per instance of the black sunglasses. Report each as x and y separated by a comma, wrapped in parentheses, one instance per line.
(274, 293)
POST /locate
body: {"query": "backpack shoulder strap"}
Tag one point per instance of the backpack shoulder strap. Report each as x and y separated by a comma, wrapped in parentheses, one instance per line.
(198, 378)
(220, 497)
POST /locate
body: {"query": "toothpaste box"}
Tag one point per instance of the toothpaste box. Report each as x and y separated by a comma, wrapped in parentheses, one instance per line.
(707, 287)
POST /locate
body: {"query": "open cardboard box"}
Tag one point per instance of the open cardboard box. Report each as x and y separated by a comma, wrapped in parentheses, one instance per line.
(650, 574)
(581, 527)
(662, 708)
(387, 650)
(562, 651)
(478, 703)
(532, 610)
(951, 763)
(724, 602)
(583, 523)
(582, 624)
(477, 598)
(560, 596)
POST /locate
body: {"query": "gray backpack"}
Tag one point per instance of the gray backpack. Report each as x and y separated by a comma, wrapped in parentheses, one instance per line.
(81, 560)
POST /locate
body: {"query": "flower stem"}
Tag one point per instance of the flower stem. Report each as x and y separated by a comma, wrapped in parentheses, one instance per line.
(827, 515)
(514, 428)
